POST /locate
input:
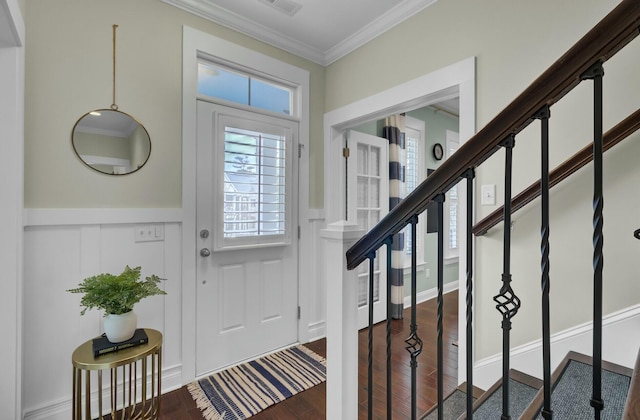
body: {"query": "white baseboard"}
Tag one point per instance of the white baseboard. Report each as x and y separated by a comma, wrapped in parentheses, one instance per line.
(528, 358)
(317, 331)
(61, 409)
(431, 293)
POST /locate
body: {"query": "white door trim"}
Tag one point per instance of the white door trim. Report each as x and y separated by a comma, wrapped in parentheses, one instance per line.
(455, 80)
(193, 42)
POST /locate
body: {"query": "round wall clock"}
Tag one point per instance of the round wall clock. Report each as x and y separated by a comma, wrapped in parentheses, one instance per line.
(438, 152)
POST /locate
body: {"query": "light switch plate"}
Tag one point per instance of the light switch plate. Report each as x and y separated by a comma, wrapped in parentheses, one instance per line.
(149, 232)
(488, 193)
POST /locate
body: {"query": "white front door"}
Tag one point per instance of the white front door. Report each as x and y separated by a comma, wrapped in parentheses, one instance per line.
(367, 203)
(247, 241)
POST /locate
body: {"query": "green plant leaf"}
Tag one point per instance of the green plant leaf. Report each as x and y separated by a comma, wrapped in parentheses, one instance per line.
(117, 294)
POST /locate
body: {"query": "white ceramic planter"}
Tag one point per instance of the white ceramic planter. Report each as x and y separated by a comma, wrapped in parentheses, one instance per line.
(120, 328)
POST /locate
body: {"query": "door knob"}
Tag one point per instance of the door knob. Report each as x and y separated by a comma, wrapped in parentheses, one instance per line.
(204, 252)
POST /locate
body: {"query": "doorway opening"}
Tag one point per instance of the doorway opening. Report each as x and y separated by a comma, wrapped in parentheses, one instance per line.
(439, 87)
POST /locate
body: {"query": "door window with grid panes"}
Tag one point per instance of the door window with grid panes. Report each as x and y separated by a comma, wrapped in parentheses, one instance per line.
(367, 203)
(369, 210)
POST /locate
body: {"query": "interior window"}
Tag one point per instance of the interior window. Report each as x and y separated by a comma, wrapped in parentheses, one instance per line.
(414, 175)
(451, 204)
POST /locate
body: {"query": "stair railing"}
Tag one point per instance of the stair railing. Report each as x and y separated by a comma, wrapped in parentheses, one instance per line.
(583, 61)
(615, 135)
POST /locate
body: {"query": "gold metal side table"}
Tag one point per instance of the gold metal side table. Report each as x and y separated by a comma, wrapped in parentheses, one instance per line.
(124, 362)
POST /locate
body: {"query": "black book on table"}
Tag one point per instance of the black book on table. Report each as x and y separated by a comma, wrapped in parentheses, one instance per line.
(102, 345)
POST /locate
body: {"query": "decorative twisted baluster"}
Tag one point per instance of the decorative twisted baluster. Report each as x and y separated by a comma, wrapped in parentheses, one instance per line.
(507, 301)
(469, 175)
(596, 72)
(414, 343)
(543, 115)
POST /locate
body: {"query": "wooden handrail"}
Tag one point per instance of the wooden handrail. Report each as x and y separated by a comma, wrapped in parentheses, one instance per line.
(612, 137)
(610, 35)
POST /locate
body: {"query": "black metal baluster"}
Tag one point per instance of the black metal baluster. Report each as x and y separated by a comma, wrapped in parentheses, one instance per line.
(414, 343)
(470, 174)
(371, 258)
(440, 201)
(595, 73)
(389, 242)
(543, 115)
(507, 301)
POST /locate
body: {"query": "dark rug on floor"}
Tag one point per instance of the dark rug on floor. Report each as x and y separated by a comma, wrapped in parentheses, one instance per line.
(570, 399)
(520, 397)
(454, 405)
(241, 391)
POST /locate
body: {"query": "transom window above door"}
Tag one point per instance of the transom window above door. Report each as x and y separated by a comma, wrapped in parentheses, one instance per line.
(226, 84)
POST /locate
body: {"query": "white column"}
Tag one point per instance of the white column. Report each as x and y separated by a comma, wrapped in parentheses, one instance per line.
(11, 206)
(342, 322)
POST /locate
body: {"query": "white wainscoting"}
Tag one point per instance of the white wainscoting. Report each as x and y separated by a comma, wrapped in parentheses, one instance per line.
(312, 285)
(63, 246)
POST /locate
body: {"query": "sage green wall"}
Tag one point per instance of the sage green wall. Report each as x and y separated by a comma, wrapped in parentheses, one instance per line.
(69, 72)
(514, 42)
(101, 145)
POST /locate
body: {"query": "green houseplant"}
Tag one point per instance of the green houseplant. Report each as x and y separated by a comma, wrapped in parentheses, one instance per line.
(117, 295)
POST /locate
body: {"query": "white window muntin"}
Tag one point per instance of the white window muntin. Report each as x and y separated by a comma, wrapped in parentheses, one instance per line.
(369, 212)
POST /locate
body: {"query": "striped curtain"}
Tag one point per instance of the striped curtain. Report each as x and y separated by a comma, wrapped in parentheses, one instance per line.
(393, 131)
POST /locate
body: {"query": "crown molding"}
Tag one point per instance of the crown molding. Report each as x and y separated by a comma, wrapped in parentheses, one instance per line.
(224, 17)
(392, 18)
(248, 27)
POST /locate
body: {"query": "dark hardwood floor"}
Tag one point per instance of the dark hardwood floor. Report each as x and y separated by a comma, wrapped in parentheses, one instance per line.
(310, 404)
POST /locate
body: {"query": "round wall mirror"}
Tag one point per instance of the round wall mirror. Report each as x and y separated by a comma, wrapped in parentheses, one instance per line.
(111, 142)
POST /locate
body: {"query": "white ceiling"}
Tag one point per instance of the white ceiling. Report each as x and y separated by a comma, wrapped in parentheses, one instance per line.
(107, 123)
(321, 31)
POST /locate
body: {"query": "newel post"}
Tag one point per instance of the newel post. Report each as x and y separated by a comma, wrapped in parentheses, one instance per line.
(342, 322)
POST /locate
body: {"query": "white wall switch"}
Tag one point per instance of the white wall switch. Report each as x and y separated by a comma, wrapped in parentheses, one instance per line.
(488, 193)
(149, 232)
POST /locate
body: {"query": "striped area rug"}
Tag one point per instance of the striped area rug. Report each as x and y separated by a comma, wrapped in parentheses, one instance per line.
(244, 390)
